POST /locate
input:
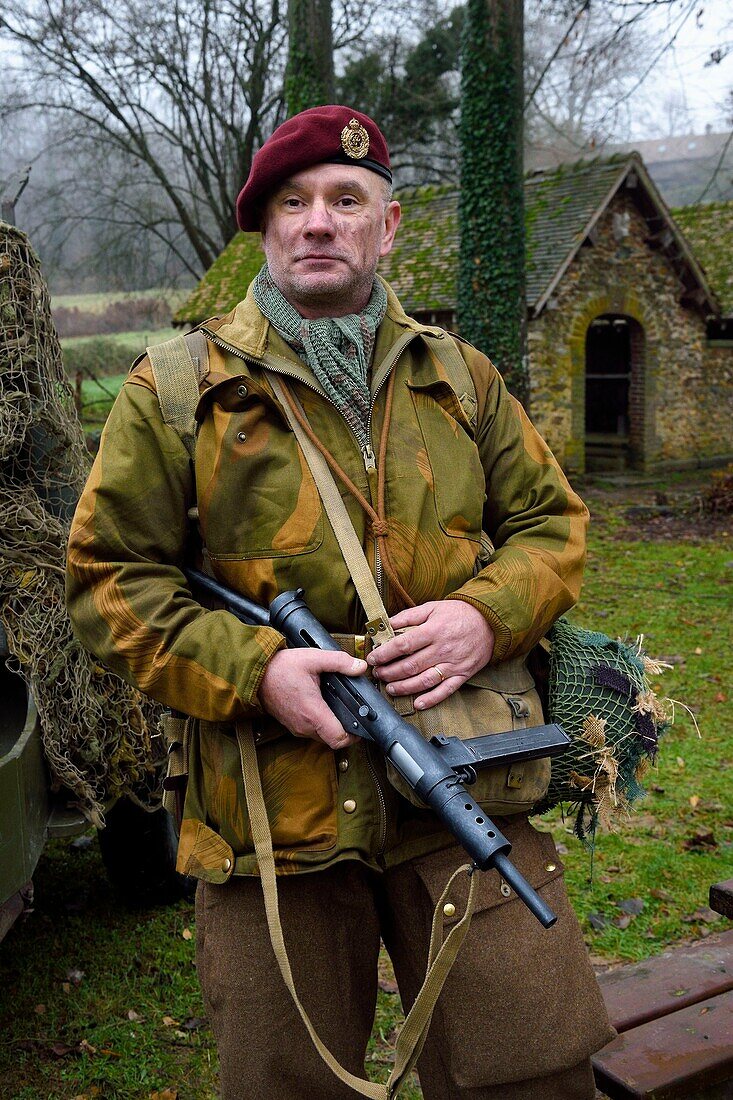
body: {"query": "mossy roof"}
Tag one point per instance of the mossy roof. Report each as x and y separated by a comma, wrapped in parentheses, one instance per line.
(226, 281)
(709, 229)
(561, 205)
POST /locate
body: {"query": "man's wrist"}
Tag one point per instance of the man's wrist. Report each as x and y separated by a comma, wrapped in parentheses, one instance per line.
(502, 634)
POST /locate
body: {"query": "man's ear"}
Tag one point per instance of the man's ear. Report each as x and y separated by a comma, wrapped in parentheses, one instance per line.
(392, 215)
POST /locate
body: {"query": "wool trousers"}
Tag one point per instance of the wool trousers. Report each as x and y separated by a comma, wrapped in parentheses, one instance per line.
(518, 1017)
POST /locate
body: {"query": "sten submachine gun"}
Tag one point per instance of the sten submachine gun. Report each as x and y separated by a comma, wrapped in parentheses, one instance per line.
(437, 769)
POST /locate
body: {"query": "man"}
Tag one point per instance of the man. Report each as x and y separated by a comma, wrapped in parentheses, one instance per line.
(431, 464)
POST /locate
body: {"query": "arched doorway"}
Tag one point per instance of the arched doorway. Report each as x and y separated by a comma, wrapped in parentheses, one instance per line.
(614, 348)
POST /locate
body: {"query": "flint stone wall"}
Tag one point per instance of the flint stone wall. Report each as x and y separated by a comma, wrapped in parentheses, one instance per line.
(681, 397)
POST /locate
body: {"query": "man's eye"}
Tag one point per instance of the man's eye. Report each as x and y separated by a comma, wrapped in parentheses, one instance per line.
(347, 200)
(292, 202)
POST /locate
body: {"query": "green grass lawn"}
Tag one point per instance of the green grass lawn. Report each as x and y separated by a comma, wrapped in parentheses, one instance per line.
(98, 303)
(133, 342)
(100, 1002)
(104, 362)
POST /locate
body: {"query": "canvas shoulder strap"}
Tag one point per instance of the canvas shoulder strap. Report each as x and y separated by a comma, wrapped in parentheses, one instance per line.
(179, 366)
(459, 376)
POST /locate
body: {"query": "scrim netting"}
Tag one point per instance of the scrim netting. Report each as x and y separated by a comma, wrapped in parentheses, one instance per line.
(100, 736)
(599, 692)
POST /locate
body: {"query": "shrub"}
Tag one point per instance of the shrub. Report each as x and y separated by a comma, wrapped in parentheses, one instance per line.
(97, 358)
(718, 497)
(120, 315)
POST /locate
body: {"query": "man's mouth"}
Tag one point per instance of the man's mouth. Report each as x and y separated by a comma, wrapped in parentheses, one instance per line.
(318, 256)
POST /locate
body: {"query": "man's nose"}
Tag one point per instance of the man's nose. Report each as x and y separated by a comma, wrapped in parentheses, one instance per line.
(319, 222)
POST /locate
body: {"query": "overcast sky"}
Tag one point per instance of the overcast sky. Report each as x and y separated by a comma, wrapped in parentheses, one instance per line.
(680, 76)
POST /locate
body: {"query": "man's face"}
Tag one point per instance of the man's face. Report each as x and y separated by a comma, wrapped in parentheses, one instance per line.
(324, 230)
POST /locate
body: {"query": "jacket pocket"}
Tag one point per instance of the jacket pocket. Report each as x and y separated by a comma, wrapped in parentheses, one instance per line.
(256, 495)
(448, 444)
(299, 784)
(529, 993)
(495, 699)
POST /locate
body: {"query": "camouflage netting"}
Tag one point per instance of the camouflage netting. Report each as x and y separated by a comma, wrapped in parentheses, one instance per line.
(101, 738)
(599, 692)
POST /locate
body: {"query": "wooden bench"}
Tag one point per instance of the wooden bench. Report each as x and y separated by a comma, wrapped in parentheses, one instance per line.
(674, 1015)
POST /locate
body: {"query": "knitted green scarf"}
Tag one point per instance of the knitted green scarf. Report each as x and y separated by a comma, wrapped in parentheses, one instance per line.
(337, 349)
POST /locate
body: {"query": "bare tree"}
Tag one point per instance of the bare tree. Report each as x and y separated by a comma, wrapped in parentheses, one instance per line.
(182, 91)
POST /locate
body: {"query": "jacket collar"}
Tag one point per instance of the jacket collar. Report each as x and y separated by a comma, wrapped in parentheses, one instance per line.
(246, 330)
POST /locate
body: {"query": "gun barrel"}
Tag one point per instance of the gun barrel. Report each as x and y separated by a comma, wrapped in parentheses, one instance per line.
(246, 610)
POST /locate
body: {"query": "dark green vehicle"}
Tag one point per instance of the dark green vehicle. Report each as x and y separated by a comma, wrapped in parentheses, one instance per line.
(138, 848)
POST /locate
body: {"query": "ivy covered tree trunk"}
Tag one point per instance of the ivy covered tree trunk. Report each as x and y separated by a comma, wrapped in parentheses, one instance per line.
(491, 294)
(309, 77)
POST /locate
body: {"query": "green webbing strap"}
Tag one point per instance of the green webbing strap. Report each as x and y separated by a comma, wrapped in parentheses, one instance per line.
(447, 351)
(178, 365)
(441, 955)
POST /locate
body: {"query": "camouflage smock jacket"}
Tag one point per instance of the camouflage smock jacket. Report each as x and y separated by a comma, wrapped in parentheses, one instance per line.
(265, 531)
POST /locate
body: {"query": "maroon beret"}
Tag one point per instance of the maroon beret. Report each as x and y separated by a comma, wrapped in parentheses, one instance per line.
(322, 135)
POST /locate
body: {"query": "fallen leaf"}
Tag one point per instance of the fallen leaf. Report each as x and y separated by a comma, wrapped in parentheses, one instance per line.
(721, 697)
(74, 976)
(597, 921)
(657, 790)
(86, 1047)
(194, 1023)
(109, 1053)
(709, 916)
(613, 869)
(61, 1050)
(388, 986)
(624, 921)
(631, 906)
(698, 651)
(164, 1094)
(66, 986)
(562, 849)
(40, 1010)
(133, 1015)
(170, 1022)
(187, 934)
(680, 762)
(694, 801)
(703, 840)
(661, 895)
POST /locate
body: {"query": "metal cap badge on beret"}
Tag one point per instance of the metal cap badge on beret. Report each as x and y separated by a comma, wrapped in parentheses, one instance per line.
(322, 135)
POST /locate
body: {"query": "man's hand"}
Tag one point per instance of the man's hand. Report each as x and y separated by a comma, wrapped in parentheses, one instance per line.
(448, 642)
(290, 691)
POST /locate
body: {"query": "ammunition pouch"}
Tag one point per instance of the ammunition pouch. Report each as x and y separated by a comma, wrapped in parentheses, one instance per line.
(495, 699)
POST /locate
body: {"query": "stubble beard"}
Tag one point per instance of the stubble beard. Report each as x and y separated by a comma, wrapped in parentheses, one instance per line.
(334, 298)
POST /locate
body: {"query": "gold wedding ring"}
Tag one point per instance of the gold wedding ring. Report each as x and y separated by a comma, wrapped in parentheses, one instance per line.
(440, 673)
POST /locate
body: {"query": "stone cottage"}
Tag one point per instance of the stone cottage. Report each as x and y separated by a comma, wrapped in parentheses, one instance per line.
(630, 310)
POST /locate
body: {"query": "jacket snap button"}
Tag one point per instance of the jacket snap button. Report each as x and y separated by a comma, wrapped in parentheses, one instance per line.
(449, 909)
(550, 866)
(242, 391)
(349, 806)
(242, 437)
(343, 765)
(226, 864)
(505, 889)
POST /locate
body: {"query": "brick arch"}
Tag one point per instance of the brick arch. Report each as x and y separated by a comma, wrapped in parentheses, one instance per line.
(645, 341)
